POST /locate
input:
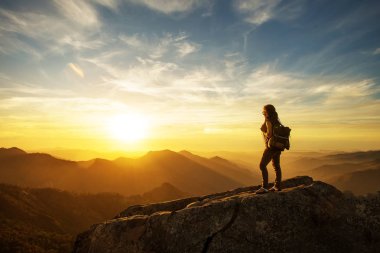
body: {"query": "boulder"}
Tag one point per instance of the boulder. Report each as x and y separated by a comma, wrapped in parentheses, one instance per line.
(306, 216)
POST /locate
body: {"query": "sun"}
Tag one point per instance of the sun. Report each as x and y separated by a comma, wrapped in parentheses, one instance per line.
(128, 127)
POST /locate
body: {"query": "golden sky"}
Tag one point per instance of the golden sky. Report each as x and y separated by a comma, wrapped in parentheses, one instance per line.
(134, 76)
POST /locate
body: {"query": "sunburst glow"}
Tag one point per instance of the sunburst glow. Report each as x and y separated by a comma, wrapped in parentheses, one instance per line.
(128, 127)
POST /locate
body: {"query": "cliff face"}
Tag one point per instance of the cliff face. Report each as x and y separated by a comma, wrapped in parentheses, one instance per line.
(306, 216)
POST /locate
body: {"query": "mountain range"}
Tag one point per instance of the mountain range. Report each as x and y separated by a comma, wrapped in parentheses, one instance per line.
(196, 175)
(357, 172)
(190, 173)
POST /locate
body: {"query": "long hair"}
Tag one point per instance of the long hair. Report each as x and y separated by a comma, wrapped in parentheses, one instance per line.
(272, 114)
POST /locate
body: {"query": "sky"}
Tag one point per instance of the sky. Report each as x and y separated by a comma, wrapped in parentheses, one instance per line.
(137, 75)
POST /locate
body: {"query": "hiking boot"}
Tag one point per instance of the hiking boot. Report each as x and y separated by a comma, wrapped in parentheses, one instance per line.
(275, 189)
(261, 190)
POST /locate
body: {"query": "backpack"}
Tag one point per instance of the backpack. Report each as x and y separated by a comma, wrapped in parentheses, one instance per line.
(280, 137)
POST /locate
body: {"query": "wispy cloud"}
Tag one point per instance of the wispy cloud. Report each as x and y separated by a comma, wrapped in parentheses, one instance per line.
(133, 40)
(64, 106)
(377, 51)
(79, 12)
(186, 48)
(301, 95)
(76, 69)
(233, 83)
(112, 4)
(165, 88)
(353, 92)
(160, 46)
(169, 7)
(257, 11)
(49, 31)
(27, 91)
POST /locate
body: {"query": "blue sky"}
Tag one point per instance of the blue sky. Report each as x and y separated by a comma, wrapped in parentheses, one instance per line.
(190, 66)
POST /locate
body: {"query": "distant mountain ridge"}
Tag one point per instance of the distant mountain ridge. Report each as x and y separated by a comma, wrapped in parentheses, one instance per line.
(363, 181)
(11, 151)
(361, 155)
(356, 172)
(123, 175)
(223, 166)
(189, 172)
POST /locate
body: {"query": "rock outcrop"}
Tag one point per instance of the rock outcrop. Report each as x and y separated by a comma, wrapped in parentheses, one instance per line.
(306, 216)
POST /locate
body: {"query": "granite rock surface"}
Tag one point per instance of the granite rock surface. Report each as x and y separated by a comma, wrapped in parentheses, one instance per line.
(306, 216)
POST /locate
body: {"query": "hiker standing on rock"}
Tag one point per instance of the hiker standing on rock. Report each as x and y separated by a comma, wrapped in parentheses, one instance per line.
(270, 153)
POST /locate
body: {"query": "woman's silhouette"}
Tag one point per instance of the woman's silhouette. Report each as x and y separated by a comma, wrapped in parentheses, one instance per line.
(270, 153)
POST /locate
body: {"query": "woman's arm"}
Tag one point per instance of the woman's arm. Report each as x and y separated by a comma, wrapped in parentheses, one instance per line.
(268, 134)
